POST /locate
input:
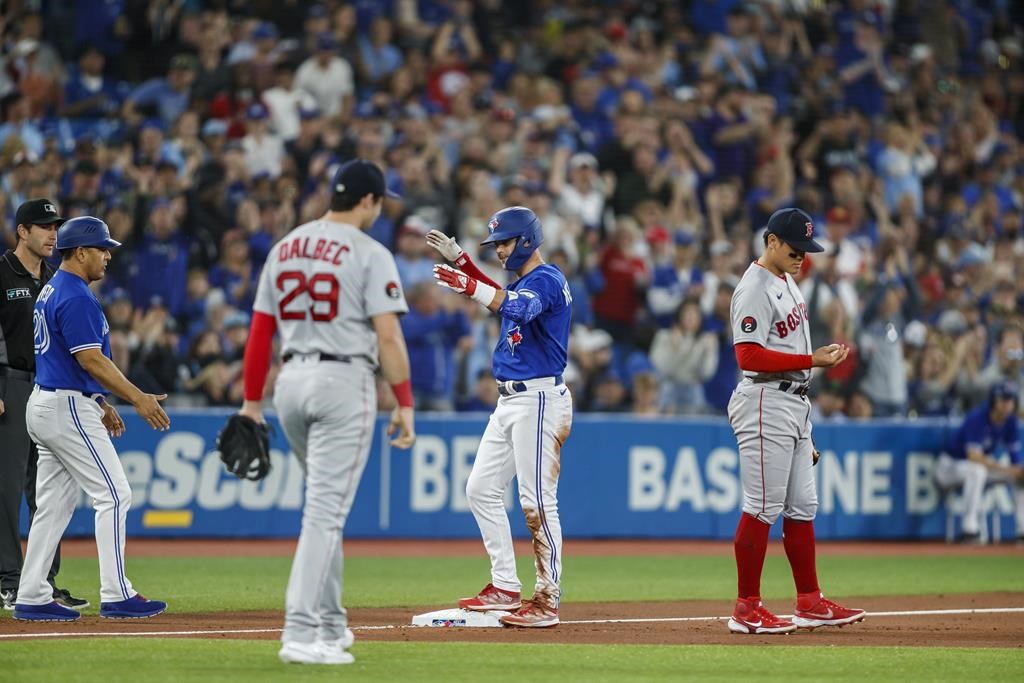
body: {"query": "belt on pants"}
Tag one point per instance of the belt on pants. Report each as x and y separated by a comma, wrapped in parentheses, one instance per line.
(515, 386)
(328, 357)
(800, 389)
(15, 373)
(99, 398)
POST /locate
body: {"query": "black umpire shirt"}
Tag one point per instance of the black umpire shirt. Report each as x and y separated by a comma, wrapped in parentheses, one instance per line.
(18, 292)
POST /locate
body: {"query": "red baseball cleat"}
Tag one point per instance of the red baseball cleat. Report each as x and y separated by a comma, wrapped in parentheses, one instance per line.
(492, 598)
(824, 612)
(534, 614)
(751, 616)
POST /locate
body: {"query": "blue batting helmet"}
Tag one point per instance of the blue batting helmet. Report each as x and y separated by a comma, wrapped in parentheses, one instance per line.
(85, 231)
(516, 221)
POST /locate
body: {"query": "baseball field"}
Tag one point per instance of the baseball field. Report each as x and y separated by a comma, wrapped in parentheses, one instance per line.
(631, 611)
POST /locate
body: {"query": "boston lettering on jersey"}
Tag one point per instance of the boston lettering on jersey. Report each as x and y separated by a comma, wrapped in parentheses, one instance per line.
(323, 250)
(792, 321)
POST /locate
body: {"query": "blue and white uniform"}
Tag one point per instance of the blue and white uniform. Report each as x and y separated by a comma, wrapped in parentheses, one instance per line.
(64, 419)
(524, 435)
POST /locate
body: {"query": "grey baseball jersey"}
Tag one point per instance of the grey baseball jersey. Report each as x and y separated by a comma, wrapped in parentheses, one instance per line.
(323, 283)
(770, 311)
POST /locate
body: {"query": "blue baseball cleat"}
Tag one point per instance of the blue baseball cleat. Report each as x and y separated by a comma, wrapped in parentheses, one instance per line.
(50, 611)
(136, 607)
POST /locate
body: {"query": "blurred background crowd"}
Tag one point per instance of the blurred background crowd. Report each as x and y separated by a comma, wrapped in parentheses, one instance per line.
(653, 138)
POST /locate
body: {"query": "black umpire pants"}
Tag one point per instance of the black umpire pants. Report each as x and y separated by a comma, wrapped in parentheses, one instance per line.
(18, 460)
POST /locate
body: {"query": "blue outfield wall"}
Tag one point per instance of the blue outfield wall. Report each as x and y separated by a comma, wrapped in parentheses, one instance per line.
(620, 477)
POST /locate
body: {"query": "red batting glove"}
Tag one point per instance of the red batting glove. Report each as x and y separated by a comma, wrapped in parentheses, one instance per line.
(455, 280)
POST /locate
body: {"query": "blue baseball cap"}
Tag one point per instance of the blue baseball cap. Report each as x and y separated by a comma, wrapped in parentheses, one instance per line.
(214, 127)
(359, 177)
(256, 112)
(264, 30)
(795, 228)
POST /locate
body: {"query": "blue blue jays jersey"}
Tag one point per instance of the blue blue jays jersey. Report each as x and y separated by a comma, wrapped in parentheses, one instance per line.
(977, 431)
(535, 319)
(68, 319)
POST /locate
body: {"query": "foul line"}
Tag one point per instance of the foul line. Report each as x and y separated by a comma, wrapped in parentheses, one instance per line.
(385, 627)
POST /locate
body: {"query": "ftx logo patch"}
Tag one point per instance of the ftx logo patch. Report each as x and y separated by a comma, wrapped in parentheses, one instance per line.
(19, 293)
(514, 338)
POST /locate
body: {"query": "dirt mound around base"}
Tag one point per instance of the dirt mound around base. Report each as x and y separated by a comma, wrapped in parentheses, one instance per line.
(664, 623)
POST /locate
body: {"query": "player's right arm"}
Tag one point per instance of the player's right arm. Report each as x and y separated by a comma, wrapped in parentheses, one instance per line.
(394, 363)
(751, 322)
(107, 374)
(450, 249)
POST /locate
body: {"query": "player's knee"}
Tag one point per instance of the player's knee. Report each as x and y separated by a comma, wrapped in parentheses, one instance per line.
(768, 514)
(478, 492)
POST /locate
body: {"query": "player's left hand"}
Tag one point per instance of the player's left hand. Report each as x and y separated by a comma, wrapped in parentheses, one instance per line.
(453, 279)
(815, 453)
(446, 246)
(112, 420)
(402, 421)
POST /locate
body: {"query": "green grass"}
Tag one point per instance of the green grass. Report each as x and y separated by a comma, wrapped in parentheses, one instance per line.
(213, 584)
(227, 661)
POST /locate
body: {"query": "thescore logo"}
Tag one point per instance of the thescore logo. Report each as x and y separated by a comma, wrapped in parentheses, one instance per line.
(186, 470)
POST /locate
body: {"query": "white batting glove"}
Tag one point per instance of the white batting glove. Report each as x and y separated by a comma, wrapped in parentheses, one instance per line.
(446, 246)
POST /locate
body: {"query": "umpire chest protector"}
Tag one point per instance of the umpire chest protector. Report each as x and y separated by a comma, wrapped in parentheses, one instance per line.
(18, 292)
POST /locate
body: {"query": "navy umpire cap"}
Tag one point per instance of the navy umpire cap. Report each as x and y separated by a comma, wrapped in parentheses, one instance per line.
(359, 178)
(37, 212)
(795, 228)
(85, 231)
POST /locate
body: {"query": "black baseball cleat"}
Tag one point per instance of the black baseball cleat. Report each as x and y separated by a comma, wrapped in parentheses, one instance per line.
(970, 539)
(64, 597)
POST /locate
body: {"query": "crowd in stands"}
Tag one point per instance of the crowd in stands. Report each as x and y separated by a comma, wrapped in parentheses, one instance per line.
(653, 138)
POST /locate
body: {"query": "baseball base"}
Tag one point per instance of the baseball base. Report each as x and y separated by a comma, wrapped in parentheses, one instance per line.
(458, 618)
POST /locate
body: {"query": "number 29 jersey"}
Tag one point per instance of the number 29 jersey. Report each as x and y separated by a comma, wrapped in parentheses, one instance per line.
(323, 283)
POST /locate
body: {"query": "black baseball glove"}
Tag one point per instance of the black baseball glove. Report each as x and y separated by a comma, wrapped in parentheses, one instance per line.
(244, 446)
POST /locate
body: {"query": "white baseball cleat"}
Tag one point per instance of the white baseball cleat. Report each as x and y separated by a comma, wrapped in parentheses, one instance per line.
(316, 652)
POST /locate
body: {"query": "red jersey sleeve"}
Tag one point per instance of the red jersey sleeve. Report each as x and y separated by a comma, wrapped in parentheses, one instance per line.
(755, 358)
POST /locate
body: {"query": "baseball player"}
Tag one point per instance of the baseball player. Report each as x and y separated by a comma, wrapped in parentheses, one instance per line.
(524, 435)
(331, 291)
(769, 412)
(972, 459)
(71, 422)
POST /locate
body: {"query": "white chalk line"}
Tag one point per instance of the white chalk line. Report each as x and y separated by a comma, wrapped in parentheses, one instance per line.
(385, 627)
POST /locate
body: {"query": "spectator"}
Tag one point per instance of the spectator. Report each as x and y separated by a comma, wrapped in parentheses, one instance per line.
(264, 151)
(328, 78)
(286, 102)
(159, 262)
(234, 275)
(686, 357)
(645, 394)
(17, 122)
(894, 303)
(413, 256)
(166, 97)
(617, 303)
(973, 458)
(432, 334)
(378, 58)
(484, 396)
(88, 93)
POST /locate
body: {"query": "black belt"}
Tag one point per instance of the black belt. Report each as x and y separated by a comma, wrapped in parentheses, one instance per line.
(789, 388)
(99, 398)
(520, 387)
(15, 373)
(329, 357)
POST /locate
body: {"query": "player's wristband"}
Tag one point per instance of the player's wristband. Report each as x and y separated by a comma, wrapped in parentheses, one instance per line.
(483, 293)
(403, 393)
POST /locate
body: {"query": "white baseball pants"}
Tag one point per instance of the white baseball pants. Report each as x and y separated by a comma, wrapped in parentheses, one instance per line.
(75, 452)
(523, 439)
(973, 476)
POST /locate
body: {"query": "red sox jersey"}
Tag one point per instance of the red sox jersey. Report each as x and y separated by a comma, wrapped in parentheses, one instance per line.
(770, 311)
(323, 283)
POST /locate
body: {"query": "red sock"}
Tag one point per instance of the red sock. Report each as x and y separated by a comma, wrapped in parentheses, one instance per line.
(798, 539)
(750, 544)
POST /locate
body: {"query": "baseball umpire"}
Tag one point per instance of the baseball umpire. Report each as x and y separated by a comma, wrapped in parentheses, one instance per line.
(23, 272)
(331, 291)
(770, 414)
